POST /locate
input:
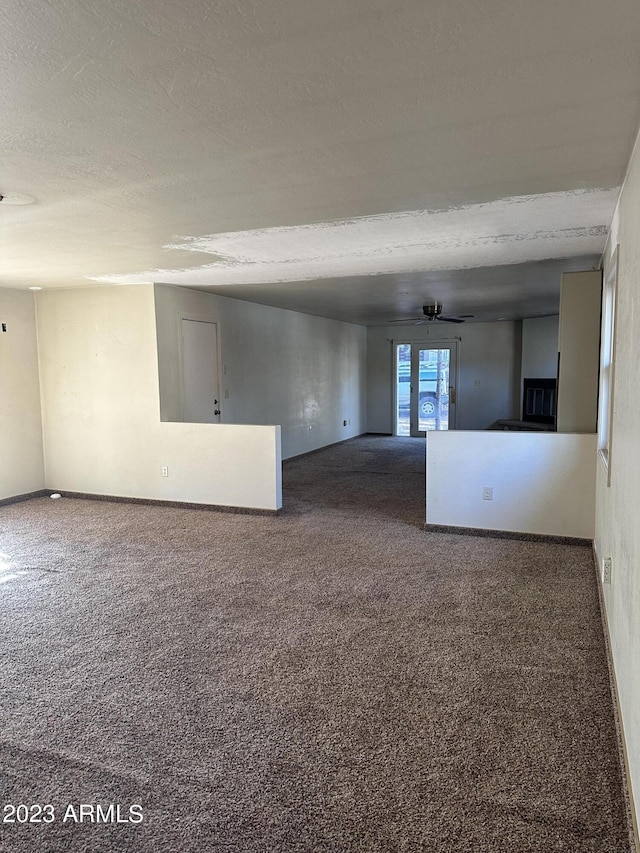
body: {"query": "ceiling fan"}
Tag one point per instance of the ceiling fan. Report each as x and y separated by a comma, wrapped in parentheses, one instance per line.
(432, 312)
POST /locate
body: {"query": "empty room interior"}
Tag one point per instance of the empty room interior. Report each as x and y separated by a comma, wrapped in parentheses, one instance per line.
(319, 426)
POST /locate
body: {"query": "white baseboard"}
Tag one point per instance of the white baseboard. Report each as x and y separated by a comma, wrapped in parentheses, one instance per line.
(634, 833)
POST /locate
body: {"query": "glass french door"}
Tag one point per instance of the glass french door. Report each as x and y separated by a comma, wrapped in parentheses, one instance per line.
(425, 391)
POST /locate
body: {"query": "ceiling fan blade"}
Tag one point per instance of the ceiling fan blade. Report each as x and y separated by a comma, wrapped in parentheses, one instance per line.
(431, 313)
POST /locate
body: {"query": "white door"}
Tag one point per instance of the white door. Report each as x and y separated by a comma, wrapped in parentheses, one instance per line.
(200, 383)
(425, 387)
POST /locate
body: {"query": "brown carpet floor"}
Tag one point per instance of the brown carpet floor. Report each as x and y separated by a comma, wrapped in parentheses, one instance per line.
(332, 679)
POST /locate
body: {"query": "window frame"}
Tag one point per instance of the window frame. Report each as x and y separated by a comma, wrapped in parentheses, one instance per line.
(607, 361)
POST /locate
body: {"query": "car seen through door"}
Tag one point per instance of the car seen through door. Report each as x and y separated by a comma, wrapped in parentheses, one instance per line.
(428, 384)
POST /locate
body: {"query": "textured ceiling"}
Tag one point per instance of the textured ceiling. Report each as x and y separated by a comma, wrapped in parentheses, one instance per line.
(349, 158)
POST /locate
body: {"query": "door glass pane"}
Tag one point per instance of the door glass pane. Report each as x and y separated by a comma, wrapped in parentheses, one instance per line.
(403, 388)
(422, 389)
(433, 403)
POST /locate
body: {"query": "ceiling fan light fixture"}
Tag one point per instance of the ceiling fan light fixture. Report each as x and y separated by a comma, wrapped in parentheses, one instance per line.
(432, 311)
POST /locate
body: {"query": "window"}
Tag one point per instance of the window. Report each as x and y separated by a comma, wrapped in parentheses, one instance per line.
(607, 361)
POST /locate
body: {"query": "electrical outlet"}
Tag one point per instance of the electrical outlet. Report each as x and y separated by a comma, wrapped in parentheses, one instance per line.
(606, 570)
(165, 471)
(487, 493)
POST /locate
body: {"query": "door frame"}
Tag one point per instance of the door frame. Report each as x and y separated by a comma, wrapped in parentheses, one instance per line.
(199, 318)
(453, 344)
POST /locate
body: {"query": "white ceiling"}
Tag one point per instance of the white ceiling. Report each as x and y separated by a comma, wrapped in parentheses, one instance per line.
(351, 158)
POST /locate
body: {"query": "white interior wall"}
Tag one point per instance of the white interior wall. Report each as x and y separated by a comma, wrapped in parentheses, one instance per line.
(488, 365)
(579, 351)
(617, 531)
(540, 347)
(539, 350)
(303, 372)
(542, 483)
(100, 401)
(21, 467)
